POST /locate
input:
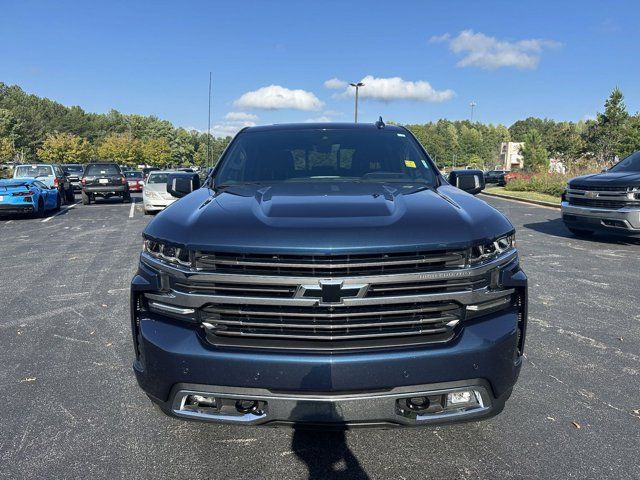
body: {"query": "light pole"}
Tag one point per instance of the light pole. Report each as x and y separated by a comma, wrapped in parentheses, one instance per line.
(472, 105)
(357, 86)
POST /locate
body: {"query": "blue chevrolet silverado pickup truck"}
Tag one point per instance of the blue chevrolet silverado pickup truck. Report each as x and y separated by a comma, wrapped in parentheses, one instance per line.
(328, 275)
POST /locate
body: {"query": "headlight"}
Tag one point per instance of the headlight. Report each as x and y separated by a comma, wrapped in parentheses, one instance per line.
(488, 251)
(169, 253)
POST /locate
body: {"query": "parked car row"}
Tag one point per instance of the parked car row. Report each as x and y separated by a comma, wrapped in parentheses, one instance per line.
(36, 188)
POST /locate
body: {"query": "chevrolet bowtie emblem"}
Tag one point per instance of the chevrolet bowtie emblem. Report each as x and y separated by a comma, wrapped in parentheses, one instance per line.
(331, 292)
(591, 194)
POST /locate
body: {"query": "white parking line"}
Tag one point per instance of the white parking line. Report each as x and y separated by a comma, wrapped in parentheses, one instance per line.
(133, 207)
(62, 210)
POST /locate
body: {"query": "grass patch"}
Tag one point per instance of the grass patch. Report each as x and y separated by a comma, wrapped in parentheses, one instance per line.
(543, 197)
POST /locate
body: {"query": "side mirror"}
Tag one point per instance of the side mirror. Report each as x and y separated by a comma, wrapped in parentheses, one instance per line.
(604, 170)
(471, 181)
(180, 184)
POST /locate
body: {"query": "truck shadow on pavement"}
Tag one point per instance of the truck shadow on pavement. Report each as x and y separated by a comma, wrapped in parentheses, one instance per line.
(324, 452)
(326, 455)
(557, 228)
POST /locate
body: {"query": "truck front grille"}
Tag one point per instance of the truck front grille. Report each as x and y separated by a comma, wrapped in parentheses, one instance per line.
(600, 203)
(327, 324)
(331, 302)
(328, 265)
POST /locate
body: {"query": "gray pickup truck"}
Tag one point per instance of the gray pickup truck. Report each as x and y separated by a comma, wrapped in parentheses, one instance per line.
(605, 202)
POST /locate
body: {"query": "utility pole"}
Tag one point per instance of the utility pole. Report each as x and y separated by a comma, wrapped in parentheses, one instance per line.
(357, 86)
(209, 127)
(472, 105)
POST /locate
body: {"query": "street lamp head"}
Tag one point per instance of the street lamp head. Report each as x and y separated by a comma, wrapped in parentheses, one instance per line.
(359, 84)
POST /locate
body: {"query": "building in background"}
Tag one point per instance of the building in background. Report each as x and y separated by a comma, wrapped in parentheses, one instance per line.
(510, 156)
(556, 166)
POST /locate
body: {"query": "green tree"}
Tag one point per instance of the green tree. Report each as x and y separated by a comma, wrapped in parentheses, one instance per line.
(182, 148)
(605, 137)
(119, 147)
(7, 150)
(65, 148)
(156, 152)
(535, 155)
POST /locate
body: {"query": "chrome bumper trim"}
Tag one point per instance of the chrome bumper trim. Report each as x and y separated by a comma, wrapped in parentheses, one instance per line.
(196, 300)
(369, 408)
(629, 215)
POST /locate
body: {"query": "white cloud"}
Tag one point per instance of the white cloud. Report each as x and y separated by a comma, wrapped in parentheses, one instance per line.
(335, 84)
(229, 129)
(275, 97)
(480, 50)
(395, 88)
(232, 123)
(238, 116)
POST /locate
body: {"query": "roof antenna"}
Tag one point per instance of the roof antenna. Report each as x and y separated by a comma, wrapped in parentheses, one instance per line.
(380, 123)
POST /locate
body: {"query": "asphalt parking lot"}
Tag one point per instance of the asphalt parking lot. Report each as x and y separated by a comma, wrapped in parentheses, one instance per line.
(71, 407)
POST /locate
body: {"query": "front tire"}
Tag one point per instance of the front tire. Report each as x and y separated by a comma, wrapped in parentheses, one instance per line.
(126, 198)
(58, 204)
(71, 197)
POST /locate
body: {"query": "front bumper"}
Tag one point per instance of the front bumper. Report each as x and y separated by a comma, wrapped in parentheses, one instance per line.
(620, 221)
(345, 389)
(156, 204)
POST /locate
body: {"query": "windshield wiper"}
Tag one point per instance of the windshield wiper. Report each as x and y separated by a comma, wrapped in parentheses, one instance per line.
(422, 188)
(223, 186)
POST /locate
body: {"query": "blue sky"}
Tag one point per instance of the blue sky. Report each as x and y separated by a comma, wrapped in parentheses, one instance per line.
(271, 61)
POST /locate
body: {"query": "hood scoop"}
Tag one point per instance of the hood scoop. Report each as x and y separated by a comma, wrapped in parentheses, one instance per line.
(333, 200)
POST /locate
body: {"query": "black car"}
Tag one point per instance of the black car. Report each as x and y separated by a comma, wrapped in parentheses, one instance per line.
(104, 180)
(328, 275)
(496, 176)
(607, 202)
(74, 172)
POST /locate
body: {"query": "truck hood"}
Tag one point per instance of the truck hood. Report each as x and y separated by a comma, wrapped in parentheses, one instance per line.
(328, 218)
(609, 179)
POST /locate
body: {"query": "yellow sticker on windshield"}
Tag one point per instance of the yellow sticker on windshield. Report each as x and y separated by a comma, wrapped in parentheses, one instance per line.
(410, 163)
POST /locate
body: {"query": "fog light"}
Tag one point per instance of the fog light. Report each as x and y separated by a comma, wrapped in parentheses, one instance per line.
(200, 401)
(462, 398)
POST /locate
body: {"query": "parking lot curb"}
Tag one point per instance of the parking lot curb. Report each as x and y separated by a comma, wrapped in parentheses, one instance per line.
(523, 200)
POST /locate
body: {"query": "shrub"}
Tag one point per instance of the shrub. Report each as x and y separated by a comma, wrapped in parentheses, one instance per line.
(551, 184)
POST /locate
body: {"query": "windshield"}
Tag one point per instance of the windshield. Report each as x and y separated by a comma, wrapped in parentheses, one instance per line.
(311, 155)
(72, 168)
(157, 178)
(33, 171)
(102, 170)
(133, 175)
(629, 164)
